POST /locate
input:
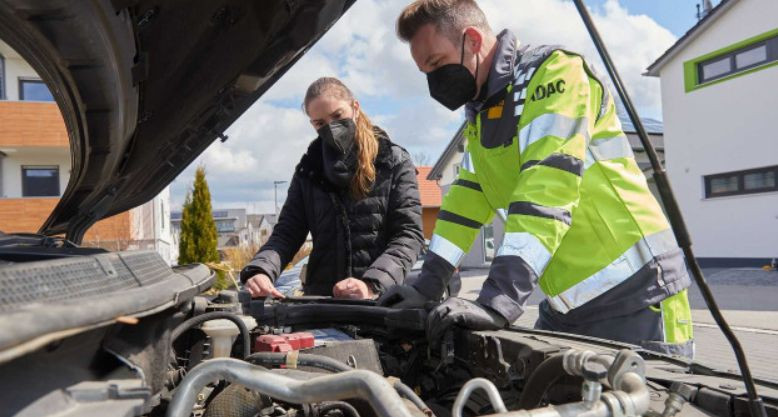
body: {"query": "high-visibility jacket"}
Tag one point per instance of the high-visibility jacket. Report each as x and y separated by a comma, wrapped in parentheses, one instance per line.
(547, 149)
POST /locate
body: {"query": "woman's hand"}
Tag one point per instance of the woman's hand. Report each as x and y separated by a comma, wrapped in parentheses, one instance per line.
(260, 285)
(352, 288)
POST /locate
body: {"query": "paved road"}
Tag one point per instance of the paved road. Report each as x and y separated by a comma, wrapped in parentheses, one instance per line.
(748, 299)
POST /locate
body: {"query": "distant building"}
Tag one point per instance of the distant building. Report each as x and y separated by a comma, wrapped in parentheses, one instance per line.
(235, 228)
(260, 227)
(431, 197)
(445, 171)
(719, 100)
(35, 167)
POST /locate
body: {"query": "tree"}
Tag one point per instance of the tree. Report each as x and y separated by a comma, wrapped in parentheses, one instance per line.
(421, 159)
(198, 239)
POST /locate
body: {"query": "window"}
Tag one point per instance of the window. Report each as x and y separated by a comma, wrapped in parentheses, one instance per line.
(225, 226)
(752, 181)
(40, 181)
(489, 248)
(34, 90)
(737, 61)
(743, 57)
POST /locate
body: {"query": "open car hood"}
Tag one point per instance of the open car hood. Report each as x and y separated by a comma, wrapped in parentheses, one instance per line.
(145, 87)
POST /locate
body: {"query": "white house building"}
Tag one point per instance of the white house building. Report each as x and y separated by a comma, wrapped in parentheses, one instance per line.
(720, 105)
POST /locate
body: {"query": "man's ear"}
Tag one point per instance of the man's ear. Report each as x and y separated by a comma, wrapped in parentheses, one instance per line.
(474, 39)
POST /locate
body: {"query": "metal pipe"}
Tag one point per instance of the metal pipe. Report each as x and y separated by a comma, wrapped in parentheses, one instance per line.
(467, 390)
(674, 215)
(345, 385)
(632, 399)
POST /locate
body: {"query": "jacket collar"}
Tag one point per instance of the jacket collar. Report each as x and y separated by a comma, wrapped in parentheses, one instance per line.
(501, 72)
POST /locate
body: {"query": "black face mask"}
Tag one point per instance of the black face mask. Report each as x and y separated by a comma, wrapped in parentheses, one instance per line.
(338, 156)
(452, 85)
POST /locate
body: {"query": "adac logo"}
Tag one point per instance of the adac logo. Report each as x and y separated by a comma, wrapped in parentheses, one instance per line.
(544, 91)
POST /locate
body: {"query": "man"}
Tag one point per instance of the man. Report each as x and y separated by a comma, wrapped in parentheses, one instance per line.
(546, 149)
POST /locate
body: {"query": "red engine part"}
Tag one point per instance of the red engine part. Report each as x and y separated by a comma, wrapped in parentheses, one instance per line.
(284, 342)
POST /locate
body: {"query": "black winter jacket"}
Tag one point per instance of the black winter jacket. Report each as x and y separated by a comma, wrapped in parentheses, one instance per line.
(376, 238)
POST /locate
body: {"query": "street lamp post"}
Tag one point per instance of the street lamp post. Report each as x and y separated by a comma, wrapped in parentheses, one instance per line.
(275, 196)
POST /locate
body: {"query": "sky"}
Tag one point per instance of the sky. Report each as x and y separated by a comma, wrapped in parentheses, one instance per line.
(267, 141)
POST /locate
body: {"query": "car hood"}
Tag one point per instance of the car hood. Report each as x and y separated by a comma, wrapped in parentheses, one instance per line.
(145, 87)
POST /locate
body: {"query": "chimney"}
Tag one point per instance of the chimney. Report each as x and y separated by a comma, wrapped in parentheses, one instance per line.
(707, 6)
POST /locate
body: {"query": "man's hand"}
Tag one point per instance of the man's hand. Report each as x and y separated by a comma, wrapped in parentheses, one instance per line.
(464, 313)
(352, 288)
(403, 296)
(260, 285)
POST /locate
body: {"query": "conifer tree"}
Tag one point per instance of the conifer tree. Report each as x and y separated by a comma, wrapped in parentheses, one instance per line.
(198, 240)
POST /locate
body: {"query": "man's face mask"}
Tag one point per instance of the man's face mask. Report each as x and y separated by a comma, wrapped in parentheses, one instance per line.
(452, 85)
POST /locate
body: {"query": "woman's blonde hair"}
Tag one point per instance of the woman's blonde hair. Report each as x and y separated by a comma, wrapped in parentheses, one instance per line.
(365, 139)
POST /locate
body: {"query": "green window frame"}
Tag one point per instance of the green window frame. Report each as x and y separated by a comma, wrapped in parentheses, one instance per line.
(694, 77)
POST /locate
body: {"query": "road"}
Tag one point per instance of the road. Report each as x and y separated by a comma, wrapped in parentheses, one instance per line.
(748, 299)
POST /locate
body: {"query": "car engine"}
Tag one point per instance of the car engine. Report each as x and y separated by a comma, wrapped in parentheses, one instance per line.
(317, 357)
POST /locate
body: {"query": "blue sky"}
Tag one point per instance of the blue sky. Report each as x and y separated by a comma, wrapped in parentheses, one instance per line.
(361, 49)
(676, 15)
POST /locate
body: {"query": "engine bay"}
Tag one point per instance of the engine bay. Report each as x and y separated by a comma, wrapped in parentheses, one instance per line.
(317, 357)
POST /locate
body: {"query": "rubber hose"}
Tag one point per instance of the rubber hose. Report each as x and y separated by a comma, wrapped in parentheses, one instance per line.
(347, 409)
(332, 365)
(303, 359)
(408, 393)
(202, 318)
(542, 378)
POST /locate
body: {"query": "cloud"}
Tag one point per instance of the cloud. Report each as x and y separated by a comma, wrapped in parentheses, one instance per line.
(268, 140)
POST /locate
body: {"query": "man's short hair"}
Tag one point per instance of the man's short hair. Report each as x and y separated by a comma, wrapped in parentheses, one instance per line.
(450, 18)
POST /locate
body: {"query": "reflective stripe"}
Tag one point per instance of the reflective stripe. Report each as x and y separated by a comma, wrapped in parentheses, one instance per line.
(468, 184)
(458, 219)
(551, 124)
(528, 247)
(532, 209)
(446, 250)
(561, 161)
(467, 163)
(617, 272)
(519, 110)
(530, 71)
(610, 148)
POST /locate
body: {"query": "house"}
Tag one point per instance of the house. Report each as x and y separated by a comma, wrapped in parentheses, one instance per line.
(35, 167)
(445, 171)
(260, 227)
(718, 84)
(234, 227)
(431, 197)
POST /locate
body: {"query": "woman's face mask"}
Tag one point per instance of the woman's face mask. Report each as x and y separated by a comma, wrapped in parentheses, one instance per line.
(335, 122)
(339, 135)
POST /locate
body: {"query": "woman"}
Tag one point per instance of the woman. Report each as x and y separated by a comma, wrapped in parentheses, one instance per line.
(355, 191)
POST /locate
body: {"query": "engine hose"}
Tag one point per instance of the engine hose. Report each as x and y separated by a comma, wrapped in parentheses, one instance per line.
(202, 318)
(408, 393)
(347, 409)
(332, 365)
(542, 378)
(303, 359)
